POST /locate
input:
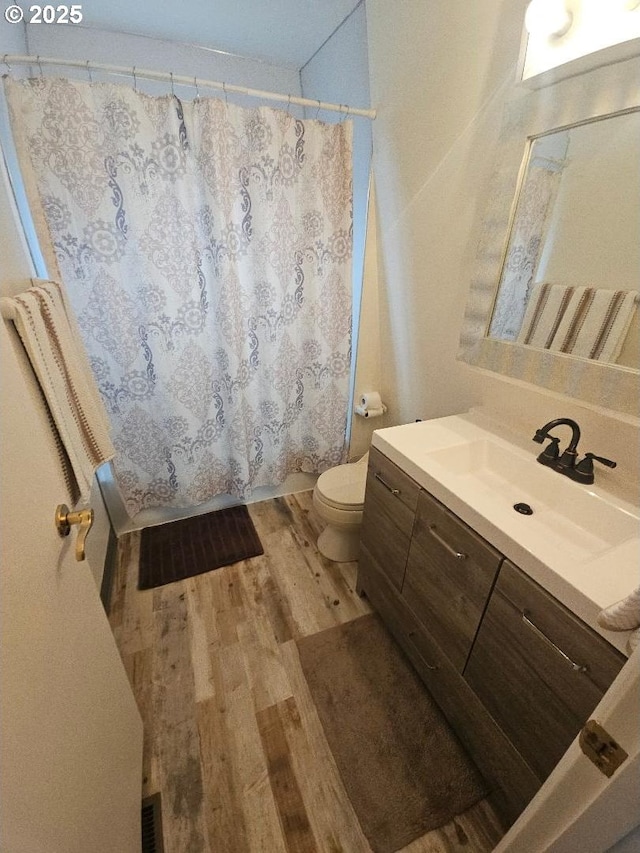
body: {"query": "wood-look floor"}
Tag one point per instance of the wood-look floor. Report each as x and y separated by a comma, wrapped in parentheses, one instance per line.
(232, 738)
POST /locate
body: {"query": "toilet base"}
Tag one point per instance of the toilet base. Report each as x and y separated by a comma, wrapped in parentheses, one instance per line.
(339, 545)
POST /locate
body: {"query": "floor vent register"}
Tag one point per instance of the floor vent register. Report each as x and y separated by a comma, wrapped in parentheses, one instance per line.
(152, 825)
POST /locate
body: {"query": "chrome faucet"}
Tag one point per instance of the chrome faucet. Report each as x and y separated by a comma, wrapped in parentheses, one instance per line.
(565, 463)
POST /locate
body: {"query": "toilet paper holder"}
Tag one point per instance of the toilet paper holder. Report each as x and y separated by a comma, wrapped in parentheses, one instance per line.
(370, 405)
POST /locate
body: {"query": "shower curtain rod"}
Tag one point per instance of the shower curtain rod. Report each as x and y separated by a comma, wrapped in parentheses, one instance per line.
(181, 80)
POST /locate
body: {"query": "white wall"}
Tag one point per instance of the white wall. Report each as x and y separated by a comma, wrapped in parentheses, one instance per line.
(437, 72)
(439, 76)
(82, 43)
(368, 374)
(13, 38)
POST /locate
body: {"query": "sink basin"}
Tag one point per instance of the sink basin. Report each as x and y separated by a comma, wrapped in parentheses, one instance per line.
(570, 516)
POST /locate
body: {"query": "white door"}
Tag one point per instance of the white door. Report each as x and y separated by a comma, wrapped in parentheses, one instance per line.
(70, 732)
(71, 735)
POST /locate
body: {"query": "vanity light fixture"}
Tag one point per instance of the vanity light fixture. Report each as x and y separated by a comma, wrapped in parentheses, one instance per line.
(549, 18)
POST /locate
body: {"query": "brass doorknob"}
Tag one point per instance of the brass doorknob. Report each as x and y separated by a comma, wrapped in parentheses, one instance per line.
(65, 519)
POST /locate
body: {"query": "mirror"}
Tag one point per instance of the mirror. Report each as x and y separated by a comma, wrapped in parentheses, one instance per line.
(532, 119)
(571, 271)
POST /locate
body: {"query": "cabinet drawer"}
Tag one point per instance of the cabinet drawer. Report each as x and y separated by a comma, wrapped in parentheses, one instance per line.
(512, 783)
(391, 486)
(447, 592)
(538, 669)
(389, 509)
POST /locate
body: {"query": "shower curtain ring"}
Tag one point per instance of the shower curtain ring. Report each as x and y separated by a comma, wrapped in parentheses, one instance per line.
(224, 89)
(4, 59)
(318, 110)
(346, 115)
(195, 83)
(89, 72)
(39, 65)
(135, 82)
(173, 92)
(289, 106)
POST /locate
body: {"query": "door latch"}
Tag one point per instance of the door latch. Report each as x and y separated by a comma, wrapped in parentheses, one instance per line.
(65, 519)
(600, 748)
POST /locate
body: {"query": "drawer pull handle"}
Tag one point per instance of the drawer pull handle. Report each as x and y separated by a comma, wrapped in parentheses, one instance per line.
(576, 667)
(386, 485)
(459, 555)
(428, 665)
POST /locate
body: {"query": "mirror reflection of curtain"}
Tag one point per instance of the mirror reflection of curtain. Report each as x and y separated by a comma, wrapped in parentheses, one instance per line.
(206, 251)
(526, 243)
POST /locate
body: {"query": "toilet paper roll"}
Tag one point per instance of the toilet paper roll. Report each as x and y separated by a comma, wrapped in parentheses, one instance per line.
(371, 400)
(370, 413)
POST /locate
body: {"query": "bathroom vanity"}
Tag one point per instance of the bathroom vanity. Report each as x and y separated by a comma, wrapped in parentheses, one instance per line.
(495, 609)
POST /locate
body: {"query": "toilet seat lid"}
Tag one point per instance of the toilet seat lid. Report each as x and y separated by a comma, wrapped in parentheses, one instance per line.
(343, 485)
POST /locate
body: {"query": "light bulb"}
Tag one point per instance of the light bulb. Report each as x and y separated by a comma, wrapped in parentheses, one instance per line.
(547, 18)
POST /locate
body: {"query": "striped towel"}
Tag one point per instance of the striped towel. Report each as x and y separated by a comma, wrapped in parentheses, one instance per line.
(53, 346)
(546, 310)
(624, 615)
(595, 323)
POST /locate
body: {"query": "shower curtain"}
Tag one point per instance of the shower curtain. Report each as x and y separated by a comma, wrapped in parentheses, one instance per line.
(206, 251)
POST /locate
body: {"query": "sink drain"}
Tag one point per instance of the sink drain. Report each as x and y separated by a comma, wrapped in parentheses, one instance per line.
(523, 509)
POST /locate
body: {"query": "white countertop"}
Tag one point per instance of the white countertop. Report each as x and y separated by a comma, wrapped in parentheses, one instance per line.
(585, 571)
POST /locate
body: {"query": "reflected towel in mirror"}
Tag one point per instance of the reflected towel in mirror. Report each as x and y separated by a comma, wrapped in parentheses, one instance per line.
(584, 321)
(545, 312)
(595, 323)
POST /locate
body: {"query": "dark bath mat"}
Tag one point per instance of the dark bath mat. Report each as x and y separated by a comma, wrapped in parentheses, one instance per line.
(191, 546)
(402, 766)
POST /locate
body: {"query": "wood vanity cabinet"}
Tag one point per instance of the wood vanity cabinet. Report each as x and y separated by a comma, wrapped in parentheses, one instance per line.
(495, 650)
(538, 669)
(449, 576)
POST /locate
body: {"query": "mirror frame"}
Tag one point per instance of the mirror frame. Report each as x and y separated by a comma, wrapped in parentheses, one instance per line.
(595, 95)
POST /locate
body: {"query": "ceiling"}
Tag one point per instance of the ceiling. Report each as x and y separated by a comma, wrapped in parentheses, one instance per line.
(284, 32)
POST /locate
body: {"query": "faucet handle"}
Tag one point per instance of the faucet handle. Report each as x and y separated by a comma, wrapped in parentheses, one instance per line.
(608, 462)
(587, 463)
(550, 454)
(584, 468)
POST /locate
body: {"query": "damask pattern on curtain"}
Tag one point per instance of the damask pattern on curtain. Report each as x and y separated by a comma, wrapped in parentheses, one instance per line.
(526, 243)
(530, 233)
(206, 251)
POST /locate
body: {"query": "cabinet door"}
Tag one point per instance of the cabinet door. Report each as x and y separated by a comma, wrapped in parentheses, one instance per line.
(538, 669)
(389, 508)
(511, 783)
(450, 573)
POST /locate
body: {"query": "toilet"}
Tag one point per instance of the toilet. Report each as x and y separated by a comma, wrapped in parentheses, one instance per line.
(338, 498)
